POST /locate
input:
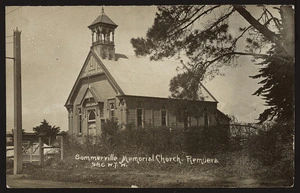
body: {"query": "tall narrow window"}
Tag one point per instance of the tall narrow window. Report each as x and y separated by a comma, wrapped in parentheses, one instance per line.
(139, 115)
(101, 109)
(112, 111)
(80, 120)
(163, 116)
(205, 117)
(92, 122)
(101, 113)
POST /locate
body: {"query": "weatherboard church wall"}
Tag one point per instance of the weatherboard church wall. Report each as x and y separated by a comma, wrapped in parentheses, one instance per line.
(151, 108)
(105, 90)
(126, 113)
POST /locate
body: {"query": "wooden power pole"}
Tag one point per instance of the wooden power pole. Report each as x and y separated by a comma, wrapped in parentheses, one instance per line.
(17, 104)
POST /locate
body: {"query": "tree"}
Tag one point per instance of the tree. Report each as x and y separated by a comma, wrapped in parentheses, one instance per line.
(47, 130)
(185, 109)
(180, 87)
(277, 89)
(176, 32)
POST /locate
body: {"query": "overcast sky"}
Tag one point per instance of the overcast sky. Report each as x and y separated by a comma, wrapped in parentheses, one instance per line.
(55, 42)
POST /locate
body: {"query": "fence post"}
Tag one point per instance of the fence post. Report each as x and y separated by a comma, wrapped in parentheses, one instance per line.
(41, 151)
(62, 147)
(31, 151)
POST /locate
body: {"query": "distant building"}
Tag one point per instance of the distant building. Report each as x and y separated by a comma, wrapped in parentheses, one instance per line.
(26, 136)
(127, 89)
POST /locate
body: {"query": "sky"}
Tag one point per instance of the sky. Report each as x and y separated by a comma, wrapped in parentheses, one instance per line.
(55, 42)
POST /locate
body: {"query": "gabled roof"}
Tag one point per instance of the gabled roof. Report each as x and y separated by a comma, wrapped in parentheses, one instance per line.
(138, 76)
(91, 92)
(223, 115)
(103, 19)
(92, 55)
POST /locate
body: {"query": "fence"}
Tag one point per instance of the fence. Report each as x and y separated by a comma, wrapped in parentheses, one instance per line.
(34, 150)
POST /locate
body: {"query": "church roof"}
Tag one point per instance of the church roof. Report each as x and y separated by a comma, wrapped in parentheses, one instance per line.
(135, 76)
(138, 76)
(103, 19)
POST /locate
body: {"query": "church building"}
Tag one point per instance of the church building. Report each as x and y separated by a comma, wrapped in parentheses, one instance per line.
(127, 89)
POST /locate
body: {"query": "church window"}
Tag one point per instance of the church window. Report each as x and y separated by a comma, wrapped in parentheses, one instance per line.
(139, 115)
(163, 116)
(92, 122)
(92, 116)
(112, 111)
(80, 120)
(101, 109)
(206, 120)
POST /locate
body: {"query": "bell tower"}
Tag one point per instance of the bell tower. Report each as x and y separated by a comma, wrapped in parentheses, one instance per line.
(103, 32)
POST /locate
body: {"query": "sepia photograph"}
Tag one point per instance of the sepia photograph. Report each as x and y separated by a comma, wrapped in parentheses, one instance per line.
(150, 96)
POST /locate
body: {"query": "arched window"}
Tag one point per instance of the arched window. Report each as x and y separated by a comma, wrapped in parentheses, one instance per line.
(92, 116)
(163, 116)
(92, 122)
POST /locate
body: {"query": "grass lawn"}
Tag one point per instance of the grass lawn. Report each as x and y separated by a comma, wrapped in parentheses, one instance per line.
(172, 176)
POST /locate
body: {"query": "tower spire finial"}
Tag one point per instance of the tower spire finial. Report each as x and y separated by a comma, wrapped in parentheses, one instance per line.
(102, 10)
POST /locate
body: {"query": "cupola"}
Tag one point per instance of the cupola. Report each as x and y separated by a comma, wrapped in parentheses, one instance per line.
(103, 32)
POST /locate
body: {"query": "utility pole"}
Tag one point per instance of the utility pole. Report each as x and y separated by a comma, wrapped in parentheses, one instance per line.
(17, 104)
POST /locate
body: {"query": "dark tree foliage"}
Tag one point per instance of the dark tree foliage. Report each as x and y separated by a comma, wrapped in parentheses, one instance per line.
(203, 36)
(181, 85)
(183, 109)
(277, 88)
(46, 130)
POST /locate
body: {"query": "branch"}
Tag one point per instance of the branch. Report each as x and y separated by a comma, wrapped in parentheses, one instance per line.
(185, 20)
(240, 53)
(205, 12)
(246, 30)
(263, 29)
(234, 42)
(276, 21)
(220, 20)
(178, 14)
(181, 61)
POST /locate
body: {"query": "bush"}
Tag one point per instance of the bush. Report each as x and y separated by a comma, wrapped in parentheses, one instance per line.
(270, 145)
(110, 127)
(149, 140)
(153, 140)
(274, 148)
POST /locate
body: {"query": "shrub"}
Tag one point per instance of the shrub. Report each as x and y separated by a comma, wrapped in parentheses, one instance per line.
(149, 140)
(270, 144)
(274, 148)
(153, 140)
(110, 127)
